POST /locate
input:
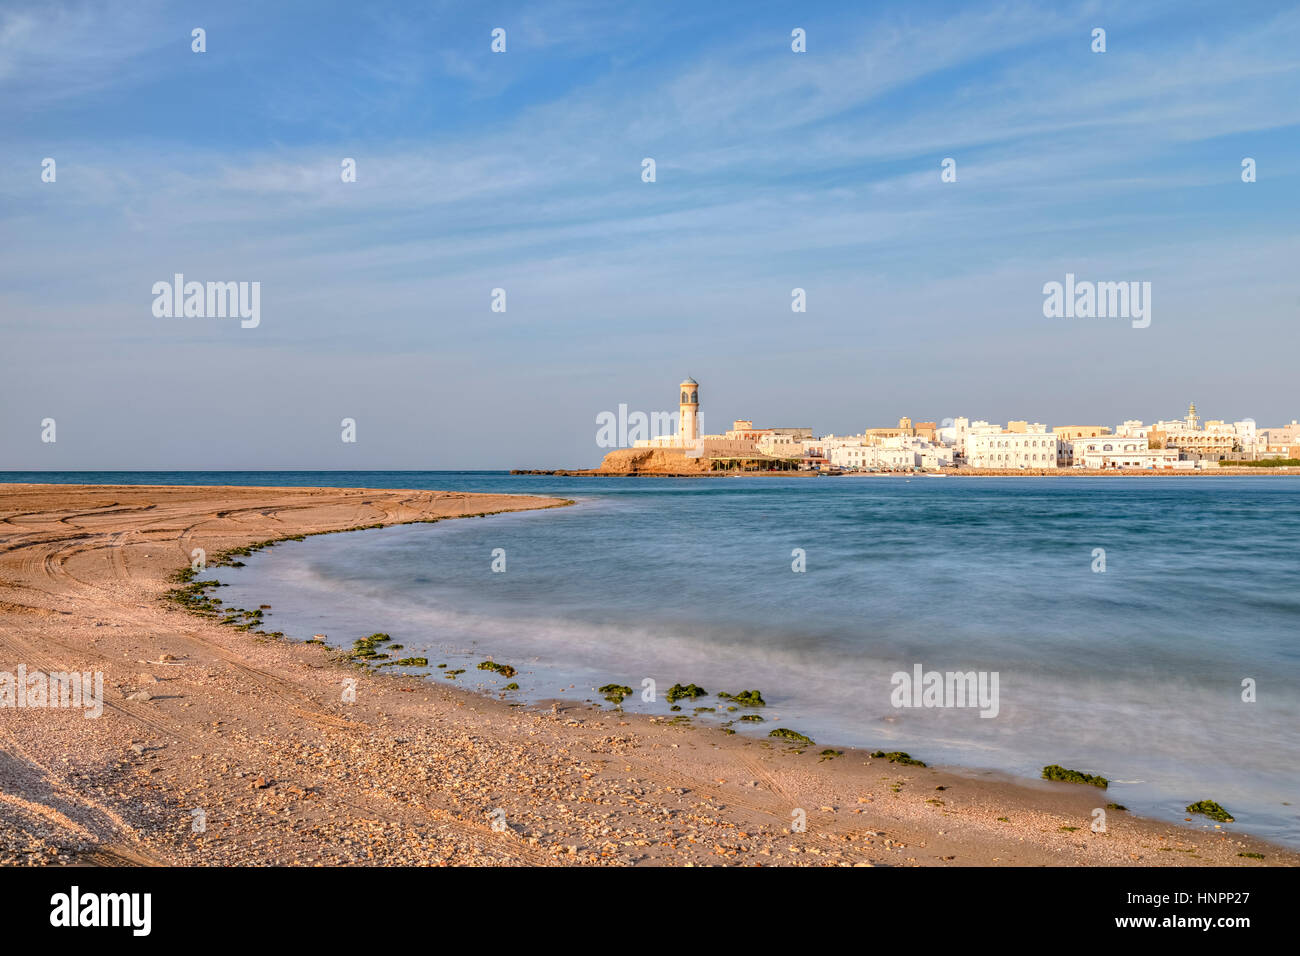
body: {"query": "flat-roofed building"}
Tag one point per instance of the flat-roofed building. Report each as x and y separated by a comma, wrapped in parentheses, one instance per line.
(1111, 452)
(743, 428)
(1071, 432)
(1002, 449)
(898, 453)
(955, 435)
(1132, 428)
(780, 445)
(905, 427)
(1279, 440)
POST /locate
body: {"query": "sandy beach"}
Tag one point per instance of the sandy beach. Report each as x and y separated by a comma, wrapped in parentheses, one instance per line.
(252, 737)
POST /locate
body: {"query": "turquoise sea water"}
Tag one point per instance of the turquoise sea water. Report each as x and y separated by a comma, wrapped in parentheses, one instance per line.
(1134, 673)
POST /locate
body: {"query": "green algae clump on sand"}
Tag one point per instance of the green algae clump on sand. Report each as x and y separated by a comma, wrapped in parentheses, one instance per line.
(679, 692)
(505, 670)
(366, 649)
(1057, 772)
(899, 756)
(406, 662)
(614, 693)
(1212, 810)
(191, 594)
(746, 698)
(786, 733)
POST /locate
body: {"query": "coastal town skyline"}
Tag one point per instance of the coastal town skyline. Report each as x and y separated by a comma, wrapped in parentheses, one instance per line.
(1186, 443)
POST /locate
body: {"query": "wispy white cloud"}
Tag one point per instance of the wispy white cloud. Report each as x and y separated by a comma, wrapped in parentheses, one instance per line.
(60, 51)
(775, 170)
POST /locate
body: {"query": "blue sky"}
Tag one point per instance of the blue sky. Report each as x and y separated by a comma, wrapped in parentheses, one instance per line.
(522, 170)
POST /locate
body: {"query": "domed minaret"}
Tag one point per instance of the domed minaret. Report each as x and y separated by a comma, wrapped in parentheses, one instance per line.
(688, 422)
(1192, 419)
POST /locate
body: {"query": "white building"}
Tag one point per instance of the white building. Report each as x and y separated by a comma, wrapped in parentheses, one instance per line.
(936, 456)
(874, 458)
(962, 428)
(857, 457)
(895, 453)
(1113, 451)
(1132, 428)
(1000, 449)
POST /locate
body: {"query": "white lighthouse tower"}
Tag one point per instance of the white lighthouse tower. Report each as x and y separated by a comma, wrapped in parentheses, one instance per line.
(688, 422)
